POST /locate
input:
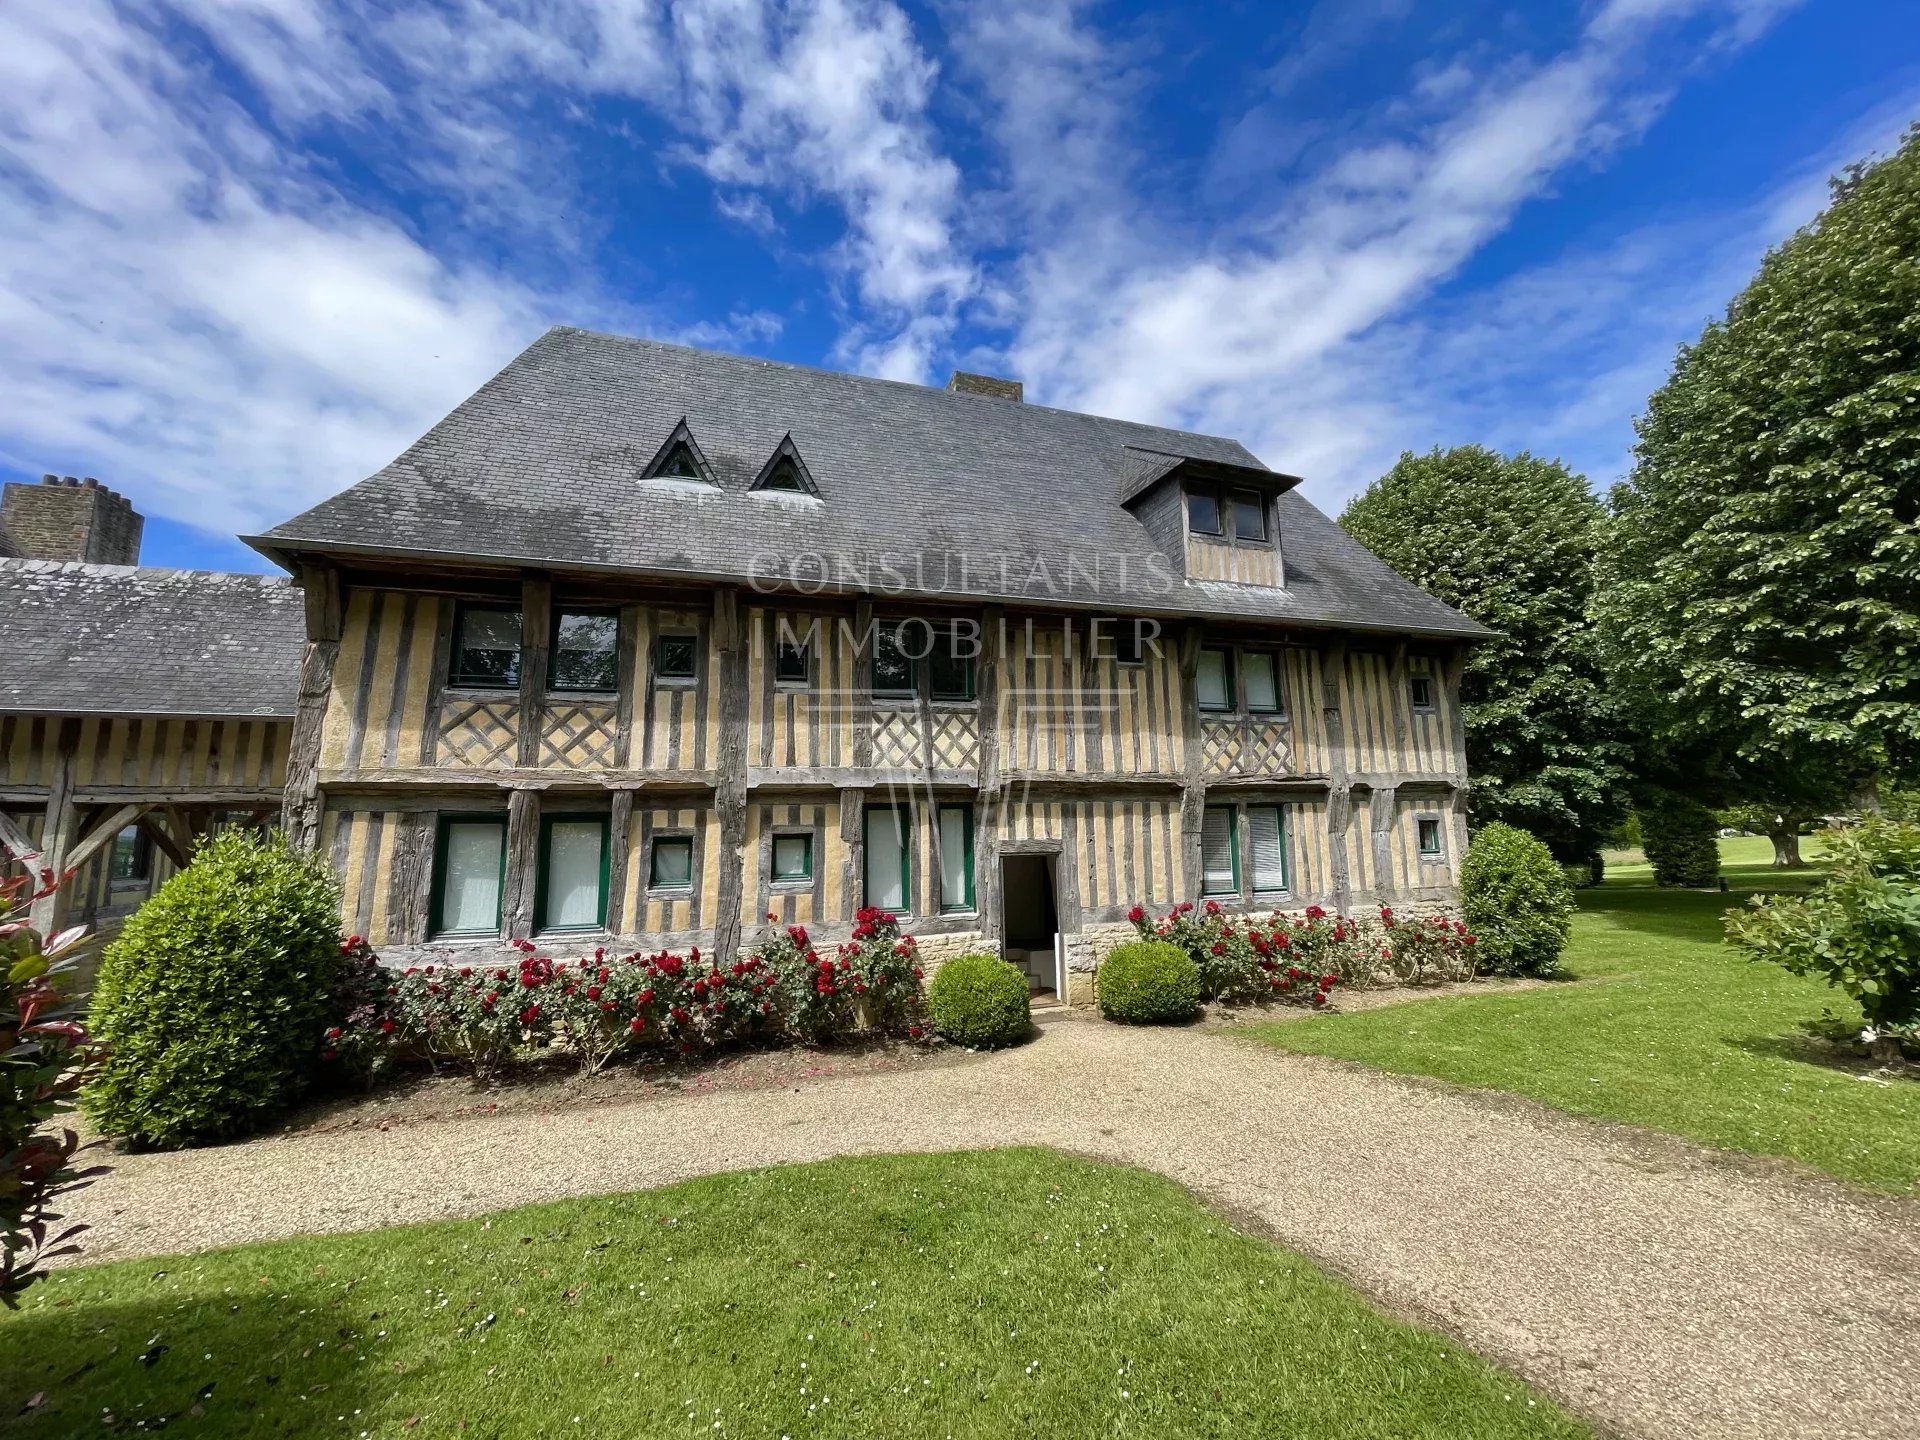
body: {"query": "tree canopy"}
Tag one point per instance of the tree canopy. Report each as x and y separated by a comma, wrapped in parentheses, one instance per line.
(1510, 541)
(1760, 584)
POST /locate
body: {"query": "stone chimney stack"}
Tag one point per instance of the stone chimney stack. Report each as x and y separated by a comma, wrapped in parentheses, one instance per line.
(64, 518)
(965, 383)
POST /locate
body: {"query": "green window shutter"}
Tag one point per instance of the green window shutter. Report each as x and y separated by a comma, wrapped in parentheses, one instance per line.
(1219, 852)
(1268, 826)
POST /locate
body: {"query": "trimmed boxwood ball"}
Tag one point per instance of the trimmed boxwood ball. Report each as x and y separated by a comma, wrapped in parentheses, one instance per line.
(1517, 901)
(213, 999)
(1148, 982)
(980, 1001)
(1681, 838)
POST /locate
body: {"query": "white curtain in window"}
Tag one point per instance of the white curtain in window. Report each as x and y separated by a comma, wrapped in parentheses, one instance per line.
(1212, 681)
(1263, 690)
(886, 859)
(954, 887)
(1268, 824)
(573, 873)
(471, 900)
(1217, 875)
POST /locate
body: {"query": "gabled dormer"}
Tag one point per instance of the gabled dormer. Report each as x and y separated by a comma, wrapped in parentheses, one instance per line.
(680, 458)
(1220, 520)
(785, 472)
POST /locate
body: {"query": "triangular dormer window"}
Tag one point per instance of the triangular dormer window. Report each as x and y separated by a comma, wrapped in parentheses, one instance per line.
(680, 459)
(786, 471)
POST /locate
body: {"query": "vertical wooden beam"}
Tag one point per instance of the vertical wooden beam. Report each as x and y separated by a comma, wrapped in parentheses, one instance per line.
(619, 860)
(1400, 701)
(853, 834)
(1382, 813)
(536, 634)
(860, 708)
(48, 913)
(730, 771)
(412, 894)
(325, 601)
(523, 859)
(437, 683)
(628, 684)
(1193, 787)
(1331, 662)
(1453, 675)
(986, 830)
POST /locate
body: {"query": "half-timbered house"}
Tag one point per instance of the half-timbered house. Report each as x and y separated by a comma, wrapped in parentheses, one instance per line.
(647, 645)
(140, 708)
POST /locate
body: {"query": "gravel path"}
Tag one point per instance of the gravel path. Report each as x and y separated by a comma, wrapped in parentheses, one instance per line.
(1660, 1289)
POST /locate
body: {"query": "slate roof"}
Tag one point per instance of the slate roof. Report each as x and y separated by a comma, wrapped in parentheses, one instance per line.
(80, 639)
(542, 466)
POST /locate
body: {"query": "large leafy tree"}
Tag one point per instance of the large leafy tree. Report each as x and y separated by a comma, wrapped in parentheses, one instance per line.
(1760, 586)
(1509, 540)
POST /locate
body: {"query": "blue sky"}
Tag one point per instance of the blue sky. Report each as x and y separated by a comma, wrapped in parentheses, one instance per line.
(249, 249)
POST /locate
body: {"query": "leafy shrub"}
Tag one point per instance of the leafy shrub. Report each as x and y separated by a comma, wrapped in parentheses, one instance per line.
(214, 996)
(45, 1055)
(980, 1001)
(601, 1007)
(1148, 982)
(1682, 842)
(1860, 932)
(1517, 902)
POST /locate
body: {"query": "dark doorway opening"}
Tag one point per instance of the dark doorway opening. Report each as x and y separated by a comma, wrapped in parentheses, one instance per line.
(1028, 920)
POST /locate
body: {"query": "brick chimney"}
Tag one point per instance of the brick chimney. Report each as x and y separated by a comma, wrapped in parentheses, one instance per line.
(966, 383)
(64, 518)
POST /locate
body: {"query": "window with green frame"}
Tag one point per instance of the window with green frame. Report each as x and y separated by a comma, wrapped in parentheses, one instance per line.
(574, 861)
(895, 672)
(1267, 835)
(585, 653)
(670, 865)
(792, 857)
(1219, 852)
(676, 657)
(888, 879)
(469, 874)
(949, 667)
(956, 858)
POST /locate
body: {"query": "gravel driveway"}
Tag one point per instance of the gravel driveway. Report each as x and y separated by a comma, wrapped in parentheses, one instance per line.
(1661, 1289)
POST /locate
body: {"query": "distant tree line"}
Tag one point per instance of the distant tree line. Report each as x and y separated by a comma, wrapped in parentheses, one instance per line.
(1737, 624)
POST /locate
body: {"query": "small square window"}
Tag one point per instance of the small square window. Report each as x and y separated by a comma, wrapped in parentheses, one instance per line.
(675, 656)
(132, 855)
(1215, 680)
(672, 863)
(586, 651)
(1420, 688)
(1428, 829)
(1249, 515)
(1203, 512)
(792, 662)
(1129, 641)
(486, 650)
(792, 857)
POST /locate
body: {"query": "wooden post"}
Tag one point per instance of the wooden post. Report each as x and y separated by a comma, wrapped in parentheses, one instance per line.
(860, 708)
(730, 778)
(853, 833)
(523, 858)
(619, 832)
(986, 829)
(536, 633)
(57, 835)
(1381, 808)
(1193, 786)
(304, 803)
(1332, 661)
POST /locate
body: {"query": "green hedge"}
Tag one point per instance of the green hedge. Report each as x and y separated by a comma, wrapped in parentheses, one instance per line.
(214, 998)
(1149, 982)
(980, 1001)
(1517, 901)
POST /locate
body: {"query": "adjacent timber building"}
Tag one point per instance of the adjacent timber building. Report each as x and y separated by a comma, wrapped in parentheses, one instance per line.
(140, 708)
(642, 645)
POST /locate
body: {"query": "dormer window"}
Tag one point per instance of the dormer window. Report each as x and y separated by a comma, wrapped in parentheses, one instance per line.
(1222, 510)
(786, 471)
(679, 459)
(679, 464)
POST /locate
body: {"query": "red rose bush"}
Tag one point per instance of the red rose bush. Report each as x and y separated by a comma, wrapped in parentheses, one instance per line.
(603, 1007)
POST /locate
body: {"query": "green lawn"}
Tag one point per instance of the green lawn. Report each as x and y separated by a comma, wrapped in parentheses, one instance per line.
(1669, 1029)
(1015, 1291)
